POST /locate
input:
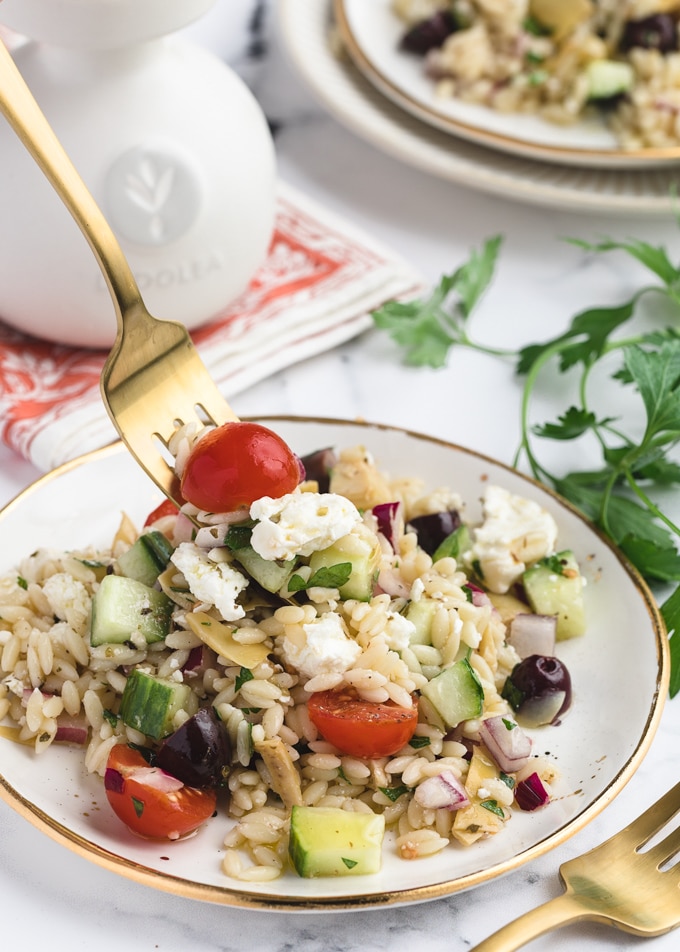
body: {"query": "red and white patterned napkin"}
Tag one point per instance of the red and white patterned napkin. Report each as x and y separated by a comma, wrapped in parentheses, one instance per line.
(316, 289)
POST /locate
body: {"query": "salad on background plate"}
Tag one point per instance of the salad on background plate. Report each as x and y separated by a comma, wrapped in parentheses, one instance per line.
(591, 83)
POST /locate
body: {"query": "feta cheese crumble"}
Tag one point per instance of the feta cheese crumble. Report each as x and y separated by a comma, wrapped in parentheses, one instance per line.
(515, 533)
(300, 523)
(213, 583)
(398, 631)
(69, 599)
(326, 649)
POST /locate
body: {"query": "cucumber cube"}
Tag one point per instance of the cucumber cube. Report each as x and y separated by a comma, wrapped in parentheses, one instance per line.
(149, 704)
(270, 574)
(454, 545)
(333, 842)
(554, 586)
(146, 558)
(456, 693)
(420, 613)
(123, 607)
(364, 556)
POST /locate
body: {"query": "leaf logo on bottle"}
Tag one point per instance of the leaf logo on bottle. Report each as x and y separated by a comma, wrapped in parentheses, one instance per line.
(153, 195)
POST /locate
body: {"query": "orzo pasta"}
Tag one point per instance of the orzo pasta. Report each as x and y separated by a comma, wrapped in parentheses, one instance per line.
(370, 676)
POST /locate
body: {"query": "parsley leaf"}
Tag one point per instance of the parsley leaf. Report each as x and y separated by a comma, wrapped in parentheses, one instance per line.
(572, 424)
(329, 576)
(393, 793)
(655, 259)
(427, 328)
(493, 807)
(244, 675)
(238, 535)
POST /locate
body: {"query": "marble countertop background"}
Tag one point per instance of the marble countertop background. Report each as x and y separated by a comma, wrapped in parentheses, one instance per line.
(48, 895)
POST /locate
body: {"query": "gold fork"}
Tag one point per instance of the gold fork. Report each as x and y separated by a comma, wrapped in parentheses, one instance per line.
(153, 378)
(628, 881)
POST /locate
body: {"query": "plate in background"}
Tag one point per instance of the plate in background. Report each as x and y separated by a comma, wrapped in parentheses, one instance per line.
(306, 31)
(371, 33)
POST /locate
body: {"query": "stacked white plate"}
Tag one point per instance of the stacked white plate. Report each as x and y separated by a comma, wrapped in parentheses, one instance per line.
(382, 95)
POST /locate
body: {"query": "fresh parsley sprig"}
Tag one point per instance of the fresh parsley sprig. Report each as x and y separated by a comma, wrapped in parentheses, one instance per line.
(624, 495)
(428, 327)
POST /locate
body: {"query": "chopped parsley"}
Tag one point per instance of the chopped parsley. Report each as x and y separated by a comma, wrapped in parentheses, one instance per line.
(238, 535)
(493, 807)
(245, 674)
(393, 793)
(330, 576)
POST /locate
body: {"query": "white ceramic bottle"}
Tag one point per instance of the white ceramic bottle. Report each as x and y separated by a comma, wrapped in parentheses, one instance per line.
(173, 146)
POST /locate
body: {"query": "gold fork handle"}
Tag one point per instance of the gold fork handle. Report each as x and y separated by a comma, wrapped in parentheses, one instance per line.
(552, 914)
(26, 118)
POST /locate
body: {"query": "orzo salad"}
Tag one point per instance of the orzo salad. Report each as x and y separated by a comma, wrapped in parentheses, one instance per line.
(305, 655)
(559, 60)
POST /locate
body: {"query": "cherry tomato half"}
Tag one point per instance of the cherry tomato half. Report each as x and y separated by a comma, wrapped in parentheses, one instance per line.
(151, 802)
(165, 508)
(361, 728)
(237, 463)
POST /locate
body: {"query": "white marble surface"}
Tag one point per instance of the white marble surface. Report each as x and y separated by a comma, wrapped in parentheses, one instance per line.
(50, 895)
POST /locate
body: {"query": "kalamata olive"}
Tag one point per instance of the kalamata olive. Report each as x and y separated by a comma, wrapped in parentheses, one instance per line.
(198, 752)
(318, 466)
(539, 689)
(657, 32)
(429, 34)
(434, 527)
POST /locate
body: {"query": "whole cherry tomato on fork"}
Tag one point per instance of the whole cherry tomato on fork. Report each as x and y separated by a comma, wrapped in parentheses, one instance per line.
(235, 464)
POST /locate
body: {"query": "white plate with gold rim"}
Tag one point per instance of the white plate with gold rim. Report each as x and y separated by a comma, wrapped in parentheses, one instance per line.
(307, 33)
(619, 671)
(372, 34)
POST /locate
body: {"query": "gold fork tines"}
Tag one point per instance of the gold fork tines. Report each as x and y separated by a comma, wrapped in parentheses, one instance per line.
(154, 376)
(628, 881)
(153, 381)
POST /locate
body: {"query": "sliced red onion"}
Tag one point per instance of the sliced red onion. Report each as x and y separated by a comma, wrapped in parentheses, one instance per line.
(209, 537)
(530, 794)
(72, 730)
(390, 518)
(507, 743)
(114, 780)
(532, 634)
(442, 792)
(391, 582)
(184, 529)
(479, 596)
(156, 778)
(197, 661)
